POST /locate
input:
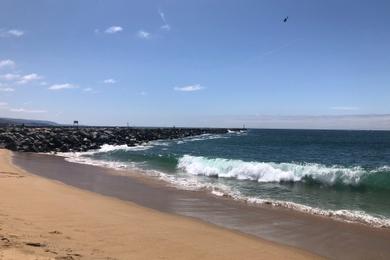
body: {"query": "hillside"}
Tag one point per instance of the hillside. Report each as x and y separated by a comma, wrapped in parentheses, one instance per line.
(26, 122)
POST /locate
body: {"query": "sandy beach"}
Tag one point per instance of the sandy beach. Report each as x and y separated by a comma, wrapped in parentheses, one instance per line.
(45, 219)
(194, 130)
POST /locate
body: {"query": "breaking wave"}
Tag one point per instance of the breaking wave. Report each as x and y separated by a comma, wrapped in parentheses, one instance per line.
(286, 172)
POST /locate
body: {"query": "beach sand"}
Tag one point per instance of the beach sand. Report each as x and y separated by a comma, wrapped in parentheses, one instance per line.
(45, 219)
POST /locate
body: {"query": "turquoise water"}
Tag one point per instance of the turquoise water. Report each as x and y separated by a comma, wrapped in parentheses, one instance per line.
(342, 174)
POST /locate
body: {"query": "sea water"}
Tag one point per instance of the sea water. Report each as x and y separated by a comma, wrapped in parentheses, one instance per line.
(339, 174)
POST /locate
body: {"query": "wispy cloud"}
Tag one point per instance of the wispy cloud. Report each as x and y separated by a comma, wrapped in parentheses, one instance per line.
(143, 93)
(10, 76)
(62, 86)
(23, 110)
(7, 90)
(7, 63)
(143, 34)
(345, 108)
(165, 26)
(11, 33)
(277, 49)
(88, 89)
(29, 78)
(113, 29)
(189, 88)
(16, 33)
(21, 79)
(109, 81)
(4, 105)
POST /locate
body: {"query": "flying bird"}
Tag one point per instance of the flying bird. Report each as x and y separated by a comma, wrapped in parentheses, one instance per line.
(285, 19)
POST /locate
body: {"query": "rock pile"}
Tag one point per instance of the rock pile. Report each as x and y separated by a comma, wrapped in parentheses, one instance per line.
(68, 139)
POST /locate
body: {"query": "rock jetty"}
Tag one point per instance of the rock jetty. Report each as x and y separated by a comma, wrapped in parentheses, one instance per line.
(72, 139)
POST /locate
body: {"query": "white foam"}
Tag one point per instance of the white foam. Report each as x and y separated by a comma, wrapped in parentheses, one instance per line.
(202, 137)
(109, 148)
(220, 190)
(269, 171)
(76, 158)
(105, 148)
(84, 157)
(342, 214)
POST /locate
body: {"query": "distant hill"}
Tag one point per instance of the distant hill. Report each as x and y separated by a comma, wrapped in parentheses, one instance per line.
(26, 122)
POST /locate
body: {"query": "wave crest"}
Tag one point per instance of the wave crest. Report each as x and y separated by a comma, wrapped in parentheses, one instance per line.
(275, 172)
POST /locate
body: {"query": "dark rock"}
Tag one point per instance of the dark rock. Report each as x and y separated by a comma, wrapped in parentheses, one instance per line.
(66, 139)
(35, 244)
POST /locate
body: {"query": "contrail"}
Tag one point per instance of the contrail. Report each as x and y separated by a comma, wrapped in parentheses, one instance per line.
(278, 48)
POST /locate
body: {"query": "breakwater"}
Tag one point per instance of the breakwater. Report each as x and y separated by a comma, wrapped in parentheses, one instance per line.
(68, 139)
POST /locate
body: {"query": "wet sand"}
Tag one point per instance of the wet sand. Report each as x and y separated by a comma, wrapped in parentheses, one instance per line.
(46, 219)
(320, 235)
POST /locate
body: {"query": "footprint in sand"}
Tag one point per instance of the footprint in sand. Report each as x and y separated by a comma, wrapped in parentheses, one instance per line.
(55, 232)
(68, 257)
(51, 251)
(4, 241)
(35, 244)
(10, 174)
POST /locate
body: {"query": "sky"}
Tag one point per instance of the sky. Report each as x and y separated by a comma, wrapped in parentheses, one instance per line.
(197, 63)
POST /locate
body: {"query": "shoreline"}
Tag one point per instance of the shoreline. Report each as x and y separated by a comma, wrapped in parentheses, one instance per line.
(317, 234)
(45, 219)
(161, 178)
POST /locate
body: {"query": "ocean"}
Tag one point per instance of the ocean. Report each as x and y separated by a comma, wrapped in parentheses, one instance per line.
(339, 174)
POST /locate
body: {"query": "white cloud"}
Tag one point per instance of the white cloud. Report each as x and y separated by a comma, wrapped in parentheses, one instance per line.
(7, 89)
(143, 34)
(109, 81)
(3, 104)
(43, 83)
(165, 26)
(62, 86)
(23, 110)
(16, 33)
(113, 29)
(189, 88)
(10, 76)
(7, 63)
(28, 78)
(88, 89)
(345, 108)
(11, 33)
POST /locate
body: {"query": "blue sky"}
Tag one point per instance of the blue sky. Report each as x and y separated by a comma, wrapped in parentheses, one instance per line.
(197, 63)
